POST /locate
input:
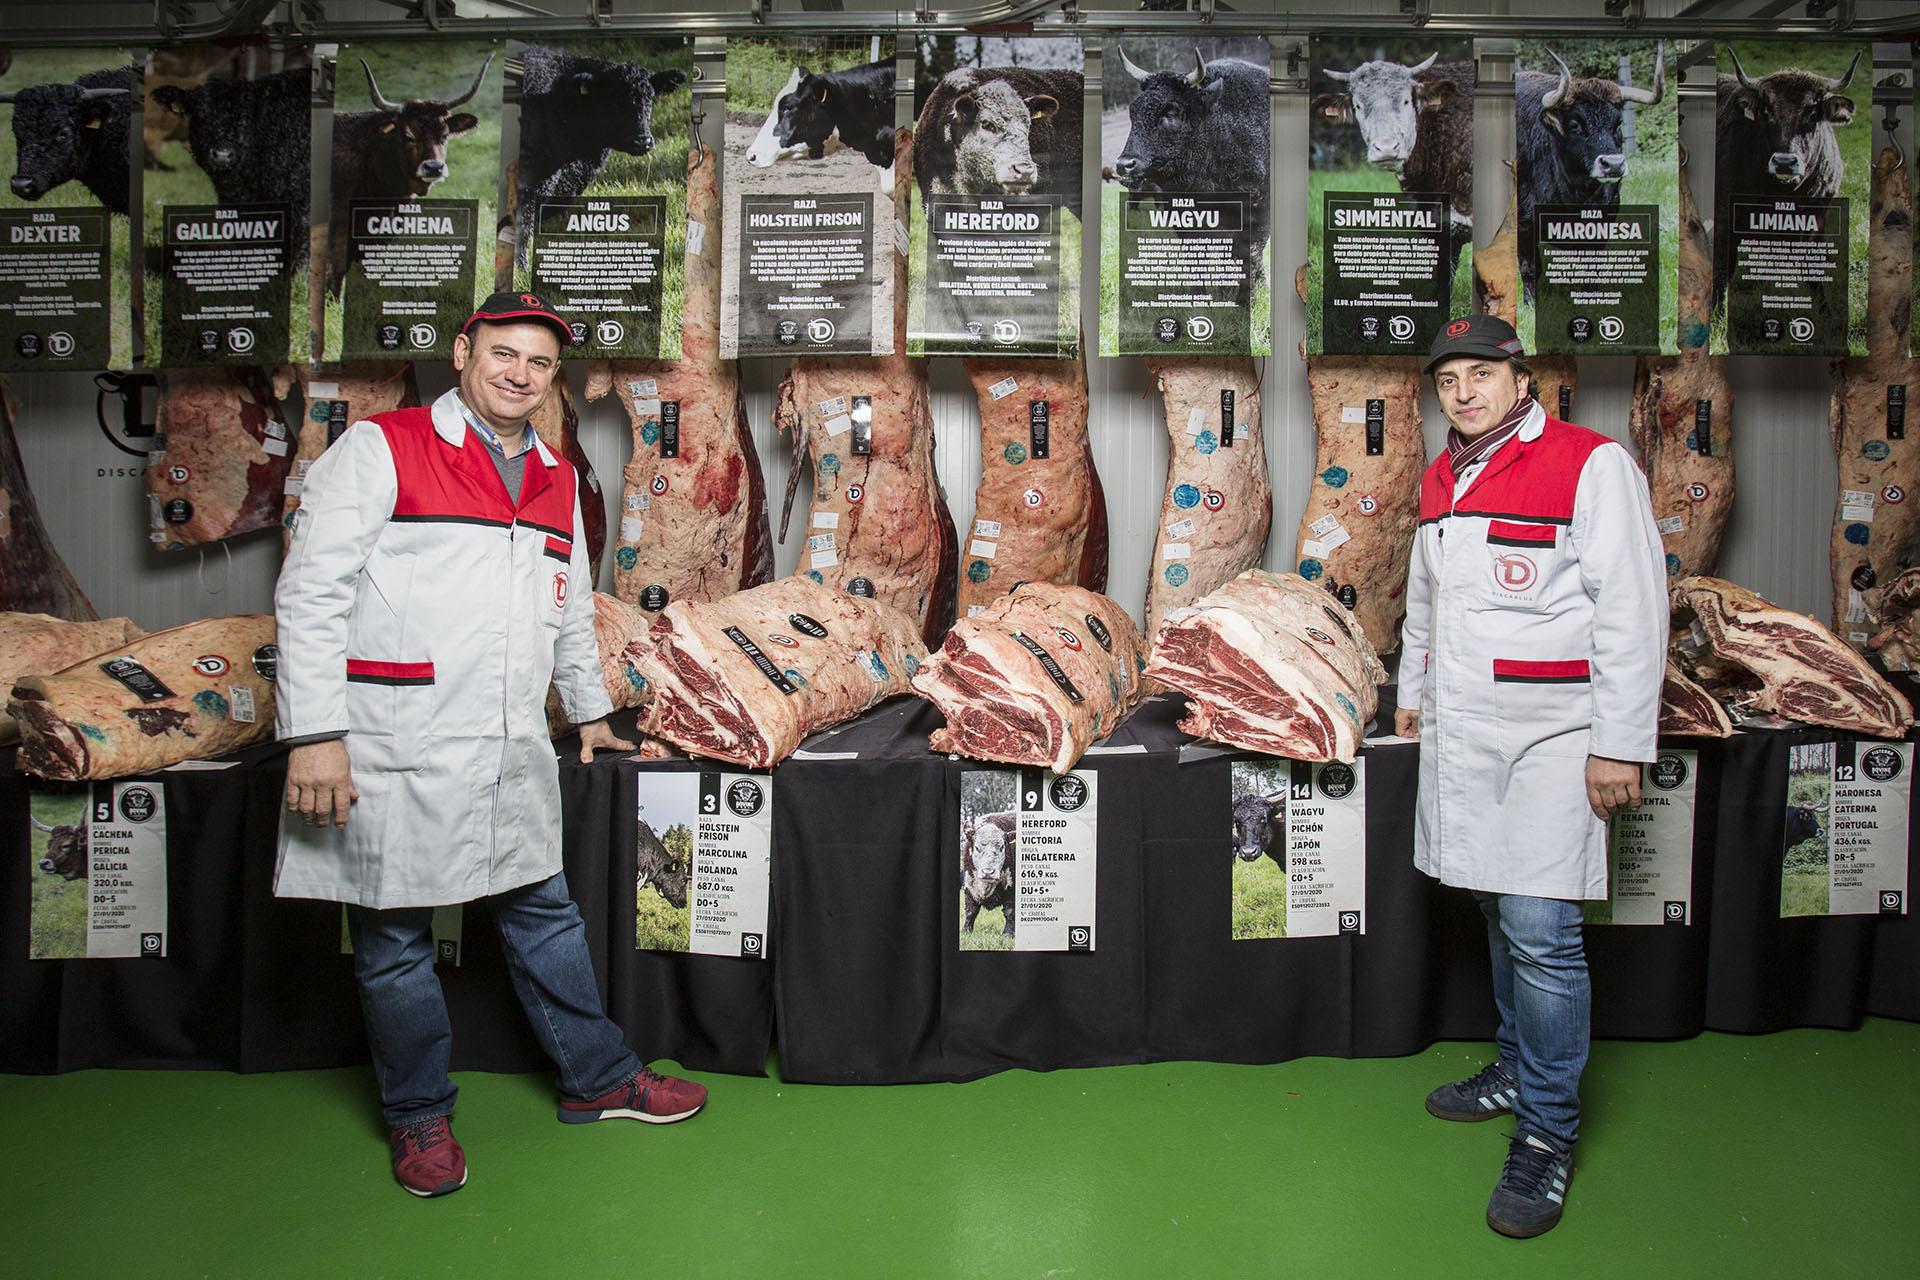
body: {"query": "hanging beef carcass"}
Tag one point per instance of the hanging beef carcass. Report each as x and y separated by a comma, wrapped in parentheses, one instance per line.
(745, 678)
(1272, 664)
(1039, 514)
(1218, 506)
(188, 693)
(33, 577)
(1757, 658)
(222, 454)
(1682, 418)
(1036, 677)
(1876, 526)
(1688, 711)
(557, 423)
(693, 504)
(1496, 273)
(336, 399)
(33, 644)
(878, 523)
(1893, 614)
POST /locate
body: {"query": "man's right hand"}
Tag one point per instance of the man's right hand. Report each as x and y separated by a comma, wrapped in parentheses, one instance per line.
(1406, 723)
(320, 783)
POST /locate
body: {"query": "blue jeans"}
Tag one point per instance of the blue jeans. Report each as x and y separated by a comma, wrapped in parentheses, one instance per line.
(1546, 1007)
(406, 1014)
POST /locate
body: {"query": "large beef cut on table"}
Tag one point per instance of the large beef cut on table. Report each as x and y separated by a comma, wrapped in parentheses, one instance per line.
(221, 455)
(693, 503)
(1039, 514)
(1757, 658)
(878, 523)
(1688, 711)
(1876, 524)
(33, 577)
(34, 644)
(1218, 506)
(188, 693)
(744, 679)
(1496, 274)
(337, 398)
(1272, 663)
(616, 625)
(1036, 677)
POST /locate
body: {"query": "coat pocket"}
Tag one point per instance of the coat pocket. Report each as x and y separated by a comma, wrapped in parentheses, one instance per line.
(389, 709)
(1520, 558)
(1543, 707)
(555, 559)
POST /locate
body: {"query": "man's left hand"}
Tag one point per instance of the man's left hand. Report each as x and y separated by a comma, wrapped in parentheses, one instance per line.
(597, 736)
(1612, 786)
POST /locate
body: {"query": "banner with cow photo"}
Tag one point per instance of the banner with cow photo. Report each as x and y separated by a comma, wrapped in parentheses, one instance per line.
(812, 245)
(1843, 845)
(225, 198)
(416, 177)
(1597, 186)
(994, 252)
(703, 870)
(1185, 141)
(1389, 192)
(1792, 148)
(99, 872)
(599, 196)
(65, 234)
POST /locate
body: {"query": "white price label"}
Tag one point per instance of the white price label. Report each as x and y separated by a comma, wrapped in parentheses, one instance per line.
(985, 550)
(987, 528)
(1003, 388)
(826, 519)
(1180, 529)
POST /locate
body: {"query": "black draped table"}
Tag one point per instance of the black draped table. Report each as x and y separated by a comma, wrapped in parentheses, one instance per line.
(865, 980)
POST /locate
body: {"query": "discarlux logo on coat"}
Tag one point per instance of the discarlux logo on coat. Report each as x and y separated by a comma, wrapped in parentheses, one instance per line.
(1516, 577)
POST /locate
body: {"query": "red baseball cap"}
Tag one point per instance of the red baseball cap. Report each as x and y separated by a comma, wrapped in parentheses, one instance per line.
(506, 306)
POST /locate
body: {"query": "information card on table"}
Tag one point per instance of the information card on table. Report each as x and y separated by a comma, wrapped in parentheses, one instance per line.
(703, 863)
(1300, 848)
(1029, 854)
(99, 872)
(1650, 849)
(1844, 843)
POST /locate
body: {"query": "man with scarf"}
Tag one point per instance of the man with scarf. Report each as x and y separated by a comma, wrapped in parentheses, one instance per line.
(1530, 670)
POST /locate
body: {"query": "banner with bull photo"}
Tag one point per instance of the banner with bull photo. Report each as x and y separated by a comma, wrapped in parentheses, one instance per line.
(225, 199)
(703, 870)
(1185, 142)
(808, 266)
(1792, 146)
(599, 195)
(1843, 845)
(416, 176)
(99, 871)
(994, 252)
(65, 237)
(1299, 848)
(1597, 187)
(1389, 192)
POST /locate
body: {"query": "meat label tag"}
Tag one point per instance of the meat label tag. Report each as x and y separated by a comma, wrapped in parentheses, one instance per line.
(826, 519)
(1299, 849)
(99, 856)
(1353, 414)
(820, 542)
(1003, 388)
(631, 527)
(273, 447)
(1314, 550)
(901, 242)
(862, 425)
(987, 528)
(1702, 439)
(1856, 607)
(1671, 524)
(323, 391)
(832, 408)
(1843, 850)
(1037, 428)
(823, 559)
(1047, 664)
(1377, 427)
(137, 679)
(776, 677)
(696, 237)
(1227, 429)
(1329, 532)
(1177, 551)
(1029, 855)
(644, 388)
(1180, 529)
(703, 865)
(1896, 411)
(240, 704)
(1196, 420)
(985, 550)
(1856, 505)
(292, 486)
(1650, 848)
(635, 502)
(647, 408)
(670, 428)
(275, 428)
(839, 424)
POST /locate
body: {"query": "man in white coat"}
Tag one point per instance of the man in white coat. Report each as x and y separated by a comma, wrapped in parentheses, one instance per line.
(1530, 671)
(436, 583)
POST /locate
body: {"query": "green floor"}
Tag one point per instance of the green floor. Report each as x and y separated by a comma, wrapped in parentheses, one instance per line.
(1787, 1155)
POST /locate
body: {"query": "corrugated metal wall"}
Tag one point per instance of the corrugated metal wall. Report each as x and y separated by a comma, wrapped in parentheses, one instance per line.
(92, 495)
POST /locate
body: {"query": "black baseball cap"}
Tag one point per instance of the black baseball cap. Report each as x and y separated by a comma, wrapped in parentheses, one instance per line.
(1479, 335)
(507, 306)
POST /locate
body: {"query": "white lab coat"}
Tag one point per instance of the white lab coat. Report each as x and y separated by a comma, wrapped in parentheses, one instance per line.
(1536, 634)
(425, 613)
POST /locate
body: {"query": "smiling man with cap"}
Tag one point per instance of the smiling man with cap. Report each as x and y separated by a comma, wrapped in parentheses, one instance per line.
(1530, 668)
(434, 589)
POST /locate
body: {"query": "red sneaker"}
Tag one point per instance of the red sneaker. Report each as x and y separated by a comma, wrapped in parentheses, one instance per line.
(426, 1159)
(649, 1096)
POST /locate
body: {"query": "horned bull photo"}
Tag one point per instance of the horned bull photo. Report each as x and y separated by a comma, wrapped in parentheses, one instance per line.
(57, 848)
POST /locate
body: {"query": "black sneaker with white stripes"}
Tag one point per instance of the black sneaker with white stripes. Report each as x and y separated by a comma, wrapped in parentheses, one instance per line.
(1487, 1093)
(1532, 1191)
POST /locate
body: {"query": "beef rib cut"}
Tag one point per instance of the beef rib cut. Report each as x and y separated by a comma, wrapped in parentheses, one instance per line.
(222, 453)
(39, 644)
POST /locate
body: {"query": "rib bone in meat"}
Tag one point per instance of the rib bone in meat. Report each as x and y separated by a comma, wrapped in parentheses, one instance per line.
(1682, 418)
(1688, 711)
(1039, 514)
(33, 577)
(1273, 664)
(693, 504)
(1757, 658)
(878, 523)
(39, 644)
(188, 693)
(222, 452)
(745, 678)
(1876, 526)
(1035, 677)
(336, 399)
(1893, 611)
(1218, 506)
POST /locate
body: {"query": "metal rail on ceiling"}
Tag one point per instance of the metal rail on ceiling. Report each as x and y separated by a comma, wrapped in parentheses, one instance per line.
(176, 21)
